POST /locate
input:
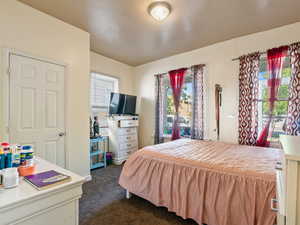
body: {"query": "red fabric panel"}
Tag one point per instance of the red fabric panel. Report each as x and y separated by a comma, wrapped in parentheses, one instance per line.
(275, 61)
(176, 80)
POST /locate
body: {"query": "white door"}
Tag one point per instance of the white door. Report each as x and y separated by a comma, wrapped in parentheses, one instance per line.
(36, 114)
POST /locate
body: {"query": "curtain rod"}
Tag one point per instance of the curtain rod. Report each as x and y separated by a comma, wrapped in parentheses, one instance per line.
(262, 53)
(188, 68)
(163, 74)
(166, 73)
(265, 52)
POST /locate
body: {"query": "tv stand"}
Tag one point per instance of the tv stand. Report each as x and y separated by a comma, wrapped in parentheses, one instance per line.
(123, 136)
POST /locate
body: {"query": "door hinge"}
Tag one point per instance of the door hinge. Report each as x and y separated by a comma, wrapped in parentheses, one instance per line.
(7, 130)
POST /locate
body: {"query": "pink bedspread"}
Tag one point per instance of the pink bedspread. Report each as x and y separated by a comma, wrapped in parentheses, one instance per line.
(211, 182)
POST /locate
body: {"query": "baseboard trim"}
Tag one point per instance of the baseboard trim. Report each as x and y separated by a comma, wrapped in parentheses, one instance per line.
(88, 178)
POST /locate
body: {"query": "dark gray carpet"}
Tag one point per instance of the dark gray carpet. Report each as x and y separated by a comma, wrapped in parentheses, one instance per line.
(104, 203)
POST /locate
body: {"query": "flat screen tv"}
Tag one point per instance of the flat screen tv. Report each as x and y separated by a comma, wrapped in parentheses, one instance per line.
(129, 104)
(122, 104)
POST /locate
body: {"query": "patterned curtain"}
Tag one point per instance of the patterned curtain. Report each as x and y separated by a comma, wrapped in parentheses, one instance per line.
(159, 109)
(248, 95)
(197, 126)
(293, 120)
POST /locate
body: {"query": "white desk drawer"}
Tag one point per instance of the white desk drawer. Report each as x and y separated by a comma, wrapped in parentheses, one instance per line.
(129, 123)
(280, 191)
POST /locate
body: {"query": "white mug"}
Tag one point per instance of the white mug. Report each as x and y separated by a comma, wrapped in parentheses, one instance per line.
(10, 177)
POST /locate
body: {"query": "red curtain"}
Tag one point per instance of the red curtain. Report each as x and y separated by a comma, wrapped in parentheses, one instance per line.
(275, 61)
(176, 80)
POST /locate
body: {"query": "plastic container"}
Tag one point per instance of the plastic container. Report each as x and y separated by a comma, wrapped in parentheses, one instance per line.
(8, 159)
(26, 170)
(27, 156)
(7, 155)
(10, 177)
(23, 157)
(2, 159)
(16, 155)
(5, 147)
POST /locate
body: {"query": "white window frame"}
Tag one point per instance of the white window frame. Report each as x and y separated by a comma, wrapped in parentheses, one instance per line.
(98, 109)
(165, 109)
(260, 112)
(103, 77)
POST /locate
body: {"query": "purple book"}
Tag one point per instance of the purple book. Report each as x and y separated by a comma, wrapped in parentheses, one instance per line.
(47, 179)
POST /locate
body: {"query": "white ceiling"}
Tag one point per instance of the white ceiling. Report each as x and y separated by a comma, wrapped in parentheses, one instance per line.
(123, 30)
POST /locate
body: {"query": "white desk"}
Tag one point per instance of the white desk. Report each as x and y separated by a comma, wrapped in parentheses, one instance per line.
(25, 205)
(288, 191)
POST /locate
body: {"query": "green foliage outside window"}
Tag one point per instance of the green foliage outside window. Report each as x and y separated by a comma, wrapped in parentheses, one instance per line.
(280, 106)
(170, 105)
(185, 97)
(286, 72)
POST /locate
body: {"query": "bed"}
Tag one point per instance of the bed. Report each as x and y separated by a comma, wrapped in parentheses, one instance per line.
(215, 183)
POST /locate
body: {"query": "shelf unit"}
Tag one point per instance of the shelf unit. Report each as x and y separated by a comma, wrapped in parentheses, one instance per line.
(98, 149)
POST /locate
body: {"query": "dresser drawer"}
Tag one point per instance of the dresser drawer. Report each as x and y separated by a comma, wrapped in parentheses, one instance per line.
(127, 138)
(126, 131)
(122, 154)
(129, 123)
(126, 152)
(129, 145)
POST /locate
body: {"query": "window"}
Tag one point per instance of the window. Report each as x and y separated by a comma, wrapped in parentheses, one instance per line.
(101, 87)
(185, 108)
(281, 105)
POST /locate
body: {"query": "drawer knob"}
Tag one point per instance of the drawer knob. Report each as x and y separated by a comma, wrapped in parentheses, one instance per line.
(278, 166)
(273, 203)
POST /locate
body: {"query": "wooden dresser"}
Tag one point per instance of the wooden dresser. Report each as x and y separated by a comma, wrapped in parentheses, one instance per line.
(25, 205)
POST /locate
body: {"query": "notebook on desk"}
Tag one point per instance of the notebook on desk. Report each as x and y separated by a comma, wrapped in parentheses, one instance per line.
(47, 179)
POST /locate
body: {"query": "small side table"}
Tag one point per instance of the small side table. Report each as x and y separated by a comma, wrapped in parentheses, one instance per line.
(98, 152)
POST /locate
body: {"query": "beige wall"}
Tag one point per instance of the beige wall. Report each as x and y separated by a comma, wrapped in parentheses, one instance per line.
(25, 29)
(220, 69)
(28, 30)
(116, 69)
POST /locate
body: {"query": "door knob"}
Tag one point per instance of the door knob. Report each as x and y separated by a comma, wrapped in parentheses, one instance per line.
(61, 134)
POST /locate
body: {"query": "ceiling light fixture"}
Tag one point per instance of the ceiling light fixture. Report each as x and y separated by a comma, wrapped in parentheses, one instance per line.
(159, 10)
